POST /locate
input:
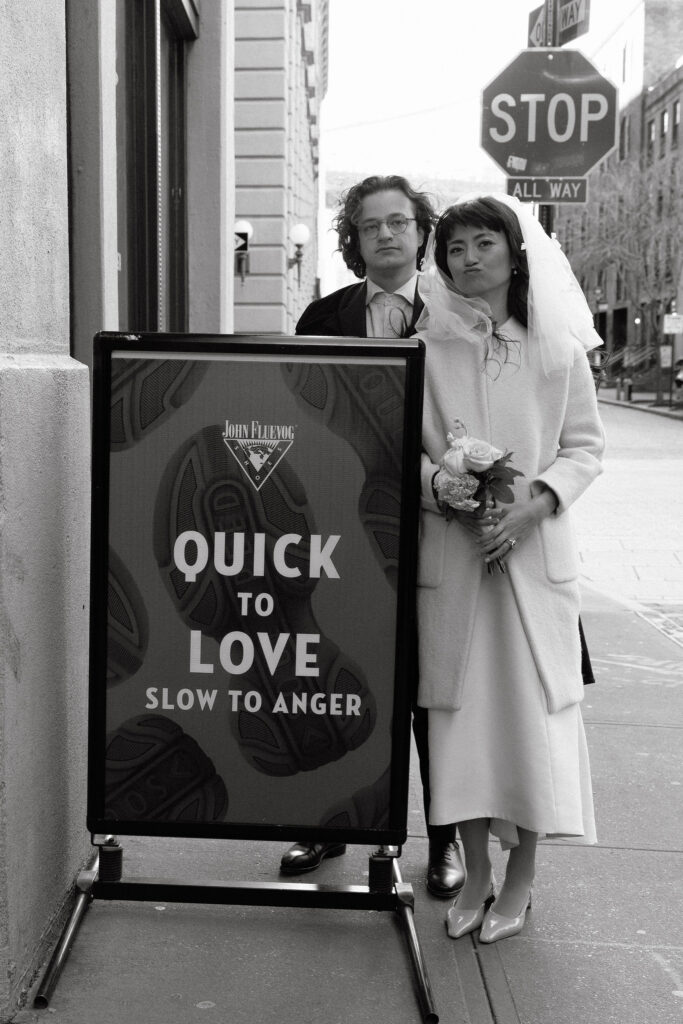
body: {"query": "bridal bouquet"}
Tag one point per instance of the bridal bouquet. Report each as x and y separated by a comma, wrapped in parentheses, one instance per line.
(473, 475)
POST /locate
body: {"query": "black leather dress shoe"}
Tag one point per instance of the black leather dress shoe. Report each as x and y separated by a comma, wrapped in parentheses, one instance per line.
(308, 856)
(445, 870)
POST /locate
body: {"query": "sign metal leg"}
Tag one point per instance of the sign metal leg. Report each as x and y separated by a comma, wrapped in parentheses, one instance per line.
(404, 909)
(386, 891)
(84, 884)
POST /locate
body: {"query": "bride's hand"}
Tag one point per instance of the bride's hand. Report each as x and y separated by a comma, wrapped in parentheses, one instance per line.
(514, 523)
(478, 525)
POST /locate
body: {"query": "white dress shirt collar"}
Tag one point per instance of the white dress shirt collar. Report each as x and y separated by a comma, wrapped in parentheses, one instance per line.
(407, 290)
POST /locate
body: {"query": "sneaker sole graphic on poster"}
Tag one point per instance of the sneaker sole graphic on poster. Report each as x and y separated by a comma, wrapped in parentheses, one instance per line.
(155, 771)
(144, 395)
(127, 625)
(363, 405)
(205, 489)
(366, 808)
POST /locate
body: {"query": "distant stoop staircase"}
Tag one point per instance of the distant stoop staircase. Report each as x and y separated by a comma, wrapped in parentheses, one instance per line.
(641, 367)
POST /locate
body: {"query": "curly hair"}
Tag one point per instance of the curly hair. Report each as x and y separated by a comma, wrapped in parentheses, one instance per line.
(487, 212)
(350, 208)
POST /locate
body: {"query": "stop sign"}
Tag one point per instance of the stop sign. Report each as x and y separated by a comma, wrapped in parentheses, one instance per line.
(550, 113)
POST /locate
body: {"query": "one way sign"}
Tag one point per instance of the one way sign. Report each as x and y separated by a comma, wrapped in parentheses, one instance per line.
(537, 27)
(571, 18)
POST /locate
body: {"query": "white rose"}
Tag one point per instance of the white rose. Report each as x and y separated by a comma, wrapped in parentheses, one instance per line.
(478, 456)
(454, 461)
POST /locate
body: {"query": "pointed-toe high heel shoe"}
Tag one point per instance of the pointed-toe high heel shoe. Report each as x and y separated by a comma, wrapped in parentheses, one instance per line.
(460, 920)
(495, 926)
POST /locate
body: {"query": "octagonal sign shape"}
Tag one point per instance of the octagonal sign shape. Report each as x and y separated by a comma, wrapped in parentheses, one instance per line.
(549, 113)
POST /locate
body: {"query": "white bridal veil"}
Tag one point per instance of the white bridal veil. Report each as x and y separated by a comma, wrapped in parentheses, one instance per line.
(557, 309)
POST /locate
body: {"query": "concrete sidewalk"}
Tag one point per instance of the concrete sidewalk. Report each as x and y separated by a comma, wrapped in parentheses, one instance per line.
(603, 943)
(646, 401)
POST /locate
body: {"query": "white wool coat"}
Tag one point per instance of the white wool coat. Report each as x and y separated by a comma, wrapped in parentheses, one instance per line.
(552, 426)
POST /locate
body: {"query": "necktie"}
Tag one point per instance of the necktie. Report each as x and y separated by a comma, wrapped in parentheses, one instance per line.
(389, 315)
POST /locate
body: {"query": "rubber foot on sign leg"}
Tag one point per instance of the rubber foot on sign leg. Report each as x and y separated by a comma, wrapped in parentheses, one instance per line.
(111, 863)
(381, 874)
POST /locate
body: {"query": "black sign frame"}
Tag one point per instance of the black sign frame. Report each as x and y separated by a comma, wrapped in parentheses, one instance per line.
(411, 351)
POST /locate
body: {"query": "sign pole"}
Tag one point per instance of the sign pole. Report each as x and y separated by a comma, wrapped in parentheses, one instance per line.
(551, 27)
(546, 211)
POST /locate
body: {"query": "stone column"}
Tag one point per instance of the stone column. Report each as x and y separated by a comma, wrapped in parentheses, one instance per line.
(44, 507)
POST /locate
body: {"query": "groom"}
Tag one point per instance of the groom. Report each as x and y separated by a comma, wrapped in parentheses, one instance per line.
(383, 227)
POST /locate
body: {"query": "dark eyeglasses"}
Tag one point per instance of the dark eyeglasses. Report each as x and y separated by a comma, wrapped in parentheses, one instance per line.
(396, 224)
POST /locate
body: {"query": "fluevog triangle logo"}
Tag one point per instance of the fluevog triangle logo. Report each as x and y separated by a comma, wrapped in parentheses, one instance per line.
(258, 447)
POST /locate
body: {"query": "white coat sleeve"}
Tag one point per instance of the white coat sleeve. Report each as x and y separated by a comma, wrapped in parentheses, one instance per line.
(582, 440)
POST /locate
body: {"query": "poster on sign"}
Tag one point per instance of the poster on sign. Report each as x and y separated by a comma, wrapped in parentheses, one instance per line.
(255, 508)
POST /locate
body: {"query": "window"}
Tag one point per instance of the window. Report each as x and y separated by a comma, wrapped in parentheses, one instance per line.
(620, 286)
(668, 262)
(676, 123)
(151, 165)
(663, 131)
(660, 202)
(624, 127)
(651, 135)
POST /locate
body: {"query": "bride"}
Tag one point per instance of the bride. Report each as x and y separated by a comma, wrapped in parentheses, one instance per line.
(506, 330)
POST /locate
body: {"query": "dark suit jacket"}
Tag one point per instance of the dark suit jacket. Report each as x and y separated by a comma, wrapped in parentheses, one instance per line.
(342, 314)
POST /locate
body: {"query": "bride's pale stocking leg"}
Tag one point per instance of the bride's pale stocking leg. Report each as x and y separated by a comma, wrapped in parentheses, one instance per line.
(475, 842)
(519, 875)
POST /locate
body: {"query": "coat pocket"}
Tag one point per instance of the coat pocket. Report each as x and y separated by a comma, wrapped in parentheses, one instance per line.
(559, 549)
(431, 552)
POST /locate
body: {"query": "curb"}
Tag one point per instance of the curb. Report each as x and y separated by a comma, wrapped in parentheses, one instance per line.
(668, 413)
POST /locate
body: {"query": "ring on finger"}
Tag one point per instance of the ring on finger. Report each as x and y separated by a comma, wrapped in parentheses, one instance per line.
(511, 542)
